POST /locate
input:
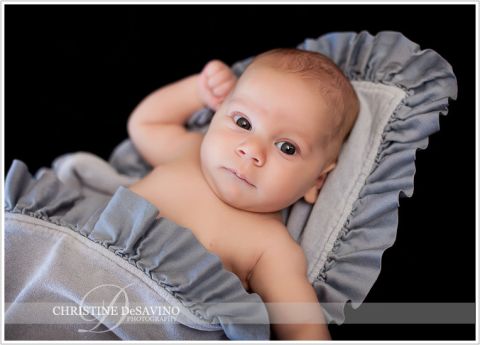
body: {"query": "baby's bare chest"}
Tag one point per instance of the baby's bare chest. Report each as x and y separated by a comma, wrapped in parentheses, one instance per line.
(180, 193)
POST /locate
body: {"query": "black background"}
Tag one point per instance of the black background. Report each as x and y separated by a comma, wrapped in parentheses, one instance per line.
(73, 74)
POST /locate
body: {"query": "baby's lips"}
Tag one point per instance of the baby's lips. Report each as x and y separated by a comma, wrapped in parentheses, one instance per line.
(240, 176)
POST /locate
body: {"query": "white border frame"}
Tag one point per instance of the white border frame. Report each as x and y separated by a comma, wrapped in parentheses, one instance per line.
(63, 2)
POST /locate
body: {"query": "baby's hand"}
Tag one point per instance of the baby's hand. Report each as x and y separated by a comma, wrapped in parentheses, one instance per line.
(215, 83)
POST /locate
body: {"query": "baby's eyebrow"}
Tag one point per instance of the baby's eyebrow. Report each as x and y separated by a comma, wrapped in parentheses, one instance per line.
(247, 104)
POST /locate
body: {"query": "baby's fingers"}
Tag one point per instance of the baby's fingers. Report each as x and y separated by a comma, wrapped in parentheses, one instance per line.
(213, 67)
(219, 78)
(215, 83)
(224, 88)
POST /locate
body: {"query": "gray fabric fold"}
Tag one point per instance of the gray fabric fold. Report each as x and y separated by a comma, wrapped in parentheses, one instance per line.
(127, 226)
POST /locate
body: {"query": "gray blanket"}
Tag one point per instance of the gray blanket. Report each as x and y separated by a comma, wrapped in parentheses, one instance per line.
(83, 264)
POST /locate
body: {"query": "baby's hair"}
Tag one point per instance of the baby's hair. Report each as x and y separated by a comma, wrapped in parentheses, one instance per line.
(336, 88)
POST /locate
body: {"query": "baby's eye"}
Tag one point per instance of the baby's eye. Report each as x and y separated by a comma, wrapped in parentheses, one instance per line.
(242, 122)
(286, 147)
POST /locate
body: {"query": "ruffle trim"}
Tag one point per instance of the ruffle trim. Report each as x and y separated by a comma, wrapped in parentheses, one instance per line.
(170, 255)
(391, 59)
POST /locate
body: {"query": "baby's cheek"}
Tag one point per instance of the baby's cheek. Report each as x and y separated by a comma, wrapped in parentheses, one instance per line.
(205, 149)
(212, 146)
(287, 188)
(274, 191)
(226, 140)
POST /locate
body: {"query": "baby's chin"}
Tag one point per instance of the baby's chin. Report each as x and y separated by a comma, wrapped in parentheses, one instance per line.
(243, 200)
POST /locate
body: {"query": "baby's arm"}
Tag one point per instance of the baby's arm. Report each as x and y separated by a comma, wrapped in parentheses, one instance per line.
(156, 126)
(279, 277)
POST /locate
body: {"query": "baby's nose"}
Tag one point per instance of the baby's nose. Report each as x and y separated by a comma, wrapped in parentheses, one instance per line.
(251, 152)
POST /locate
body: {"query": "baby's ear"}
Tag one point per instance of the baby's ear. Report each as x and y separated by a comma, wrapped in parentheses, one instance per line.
(312, 194)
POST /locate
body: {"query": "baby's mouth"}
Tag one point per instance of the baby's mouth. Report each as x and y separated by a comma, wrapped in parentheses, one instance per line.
(240, 176)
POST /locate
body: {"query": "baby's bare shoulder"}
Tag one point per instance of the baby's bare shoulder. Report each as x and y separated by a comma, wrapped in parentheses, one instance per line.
(282, 248)
(281, 264)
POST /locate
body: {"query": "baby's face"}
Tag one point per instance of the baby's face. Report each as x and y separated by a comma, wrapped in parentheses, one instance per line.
(266, 145)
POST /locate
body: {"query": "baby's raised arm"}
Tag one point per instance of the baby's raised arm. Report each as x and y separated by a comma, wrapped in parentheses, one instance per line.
(156, 125)
(279, 277)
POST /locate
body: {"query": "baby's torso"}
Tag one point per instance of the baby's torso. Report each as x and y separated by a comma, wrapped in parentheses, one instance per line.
(182, 195)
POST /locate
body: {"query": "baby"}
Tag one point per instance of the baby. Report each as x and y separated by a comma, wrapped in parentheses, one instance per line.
(274, 138)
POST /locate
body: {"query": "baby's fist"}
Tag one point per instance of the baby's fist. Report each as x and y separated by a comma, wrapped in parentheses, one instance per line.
(215, 83)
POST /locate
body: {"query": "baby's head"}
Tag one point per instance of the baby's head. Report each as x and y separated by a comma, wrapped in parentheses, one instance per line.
(279, 132)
